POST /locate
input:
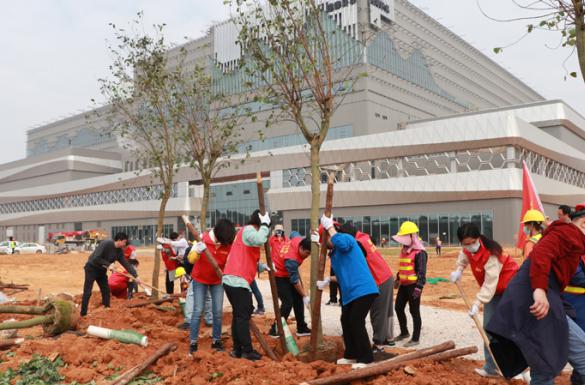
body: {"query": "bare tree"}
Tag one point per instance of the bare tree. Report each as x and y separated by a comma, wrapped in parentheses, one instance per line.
(566, 17)
(299, 62)
(141, 93)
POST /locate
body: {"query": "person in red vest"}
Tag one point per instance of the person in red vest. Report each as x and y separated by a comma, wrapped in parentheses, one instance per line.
(277, 241)
(218, 242)
(291, 292)
(173, 252)
(130, 252)
(120, 285)
(492, 269)
(239, 272)
(410, 280)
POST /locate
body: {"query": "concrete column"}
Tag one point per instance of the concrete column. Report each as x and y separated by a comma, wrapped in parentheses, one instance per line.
(511, 158)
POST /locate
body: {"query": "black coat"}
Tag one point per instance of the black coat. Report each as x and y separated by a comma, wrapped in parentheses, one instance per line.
(519, 340)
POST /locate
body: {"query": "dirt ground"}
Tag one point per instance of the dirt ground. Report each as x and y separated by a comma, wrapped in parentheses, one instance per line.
(89, 358)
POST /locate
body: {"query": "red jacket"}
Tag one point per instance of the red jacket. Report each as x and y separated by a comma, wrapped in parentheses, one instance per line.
(203, 271)
(378, 266)
(477, 263)
(242, 260)
(559, 251)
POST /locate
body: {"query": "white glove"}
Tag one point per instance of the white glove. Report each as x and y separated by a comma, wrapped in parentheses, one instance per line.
(315, 237)
(474, 310)
(147, 291)
(307, 302)
(200, 247)
(263, 267)
(161, 240)
(323, 284)
(159, 247)
(264, 219)
(327, 222)
(185, 219)
(455, 276)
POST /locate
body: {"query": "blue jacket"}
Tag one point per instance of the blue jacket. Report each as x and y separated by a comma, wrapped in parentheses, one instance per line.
(577, 301)
(353, 275)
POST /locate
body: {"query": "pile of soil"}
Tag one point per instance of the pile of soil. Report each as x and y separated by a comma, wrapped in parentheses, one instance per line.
(90, 358)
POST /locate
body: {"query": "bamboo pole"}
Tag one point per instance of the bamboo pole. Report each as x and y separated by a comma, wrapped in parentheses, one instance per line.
(130, 374)
(254, 329)
(47, 319)
(207, 253)
(267, 251)
(316, 306)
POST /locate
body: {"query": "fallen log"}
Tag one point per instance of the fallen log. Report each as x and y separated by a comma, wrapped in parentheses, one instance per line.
(384, 366)
(152, 302)
(9, 342)
(269, 352)
(130, 374)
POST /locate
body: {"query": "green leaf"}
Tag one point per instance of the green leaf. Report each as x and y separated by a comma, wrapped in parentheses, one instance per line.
(573, 74)
(498, 50)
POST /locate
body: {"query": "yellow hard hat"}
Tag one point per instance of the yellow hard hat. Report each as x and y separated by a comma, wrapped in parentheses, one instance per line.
(180, 272)
(408, 227)
(533, 216)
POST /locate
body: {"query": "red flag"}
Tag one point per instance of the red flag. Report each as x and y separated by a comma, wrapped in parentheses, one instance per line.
(530, 201)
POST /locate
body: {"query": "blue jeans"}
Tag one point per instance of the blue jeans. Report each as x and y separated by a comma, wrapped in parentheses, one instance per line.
(488, 311)
(257, 294)
(576, 354)
(208, 315)
(200, 290)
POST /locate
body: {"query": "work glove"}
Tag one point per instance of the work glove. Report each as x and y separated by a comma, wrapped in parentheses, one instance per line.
(455, 276)
(161, 240)
(263, 267)
(159, 247)
(474, 310)
(307, 302)
(315, 236)
(138, 280)
(327, 222)
(323, 284)
(264, 219)
(200, 247)
(416, 292)
(185, 219)
(147, 291)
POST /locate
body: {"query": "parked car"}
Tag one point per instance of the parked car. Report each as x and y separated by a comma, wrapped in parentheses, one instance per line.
(30, 248)
(4, 247)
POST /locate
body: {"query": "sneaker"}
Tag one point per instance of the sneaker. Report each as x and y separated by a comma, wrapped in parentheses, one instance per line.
(482, 372)
(331, 303)
(345, 361)
(252, 355)
(303, 332)
(193, 348)
(384, 345)
(218, 346)
(259, 311)
(273, 332)
(236, 353)
(410, 344)
(377, 349)
(358, 366)
(184, 326)
(401, 337)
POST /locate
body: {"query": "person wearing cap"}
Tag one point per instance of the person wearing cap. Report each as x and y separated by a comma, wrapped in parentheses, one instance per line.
(532, 222)
(218, 241)
(359, 292)
(492, 269)
(411, 279)
(291, 291)
(530, 327)
(239, 273)
(173, 252)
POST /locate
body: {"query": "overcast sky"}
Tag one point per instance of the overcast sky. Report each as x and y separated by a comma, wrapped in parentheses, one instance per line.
(53, 52)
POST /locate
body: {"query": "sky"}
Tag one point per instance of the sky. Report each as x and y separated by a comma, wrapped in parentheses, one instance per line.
(54, 51)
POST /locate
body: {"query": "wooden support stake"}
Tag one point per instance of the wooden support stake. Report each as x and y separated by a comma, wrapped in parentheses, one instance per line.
(267, 251)
(129, 375)
(262, 341)
(208, 255)
(316, 305)
(152, 302)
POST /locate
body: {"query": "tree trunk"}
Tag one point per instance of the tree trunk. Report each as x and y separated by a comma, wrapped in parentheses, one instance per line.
(204, 203)
(580, 35)
(315, 195)
(159, 233)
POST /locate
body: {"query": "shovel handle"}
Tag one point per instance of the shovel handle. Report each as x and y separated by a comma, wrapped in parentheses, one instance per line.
(133, 279)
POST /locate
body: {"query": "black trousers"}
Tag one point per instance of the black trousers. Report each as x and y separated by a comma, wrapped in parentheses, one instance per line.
(403, 297)
(169, 284)
(94, 274)
(290, 299)
(355, 335)
(241, 301)
(333, 288)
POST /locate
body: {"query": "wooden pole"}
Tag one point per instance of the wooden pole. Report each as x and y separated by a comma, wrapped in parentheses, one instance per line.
(129, 375)
(262, 341)
(478, 324)
(208, 255)
(267, 251)
(152, 302)
(316, 305)
(435, 353)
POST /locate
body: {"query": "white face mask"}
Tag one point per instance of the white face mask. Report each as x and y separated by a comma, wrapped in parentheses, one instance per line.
(473, 248)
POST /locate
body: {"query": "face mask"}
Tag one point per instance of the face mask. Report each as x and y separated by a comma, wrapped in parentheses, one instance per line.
(526, 230)
(473, 248)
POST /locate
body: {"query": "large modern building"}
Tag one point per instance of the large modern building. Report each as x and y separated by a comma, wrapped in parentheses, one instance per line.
(436, 133)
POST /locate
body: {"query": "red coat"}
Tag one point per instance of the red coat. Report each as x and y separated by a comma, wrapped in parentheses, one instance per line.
(559, 251)
(378, 266)
(477, 263)
(242, 259)
(118, 285)
(167, 253)
(203, 271)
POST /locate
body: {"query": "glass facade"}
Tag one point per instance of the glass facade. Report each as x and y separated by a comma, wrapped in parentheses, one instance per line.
(234, 201)
(84, 137)
(430, 226)
(141, 235)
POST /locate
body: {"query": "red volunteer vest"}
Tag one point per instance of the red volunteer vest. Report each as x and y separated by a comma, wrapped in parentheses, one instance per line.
(277, 244)
(118, 285)
(167, 253)
(203, 271)
(378, 267)
(290, 250)
(128, 251)
(242, 260)
(478, 260)
(406, 268)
